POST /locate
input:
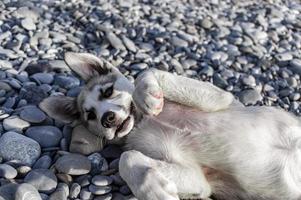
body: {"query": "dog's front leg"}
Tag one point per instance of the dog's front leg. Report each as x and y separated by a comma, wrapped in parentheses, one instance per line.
(151, 179)
(153, 84)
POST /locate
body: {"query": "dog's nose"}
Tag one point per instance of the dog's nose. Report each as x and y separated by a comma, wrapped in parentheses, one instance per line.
(108, 119)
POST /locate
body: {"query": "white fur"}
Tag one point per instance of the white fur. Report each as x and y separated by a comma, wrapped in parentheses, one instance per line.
(197, 140)
(257, 147)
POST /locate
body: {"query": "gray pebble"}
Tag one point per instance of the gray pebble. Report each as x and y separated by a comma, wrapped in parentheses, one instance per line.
(74, 190)
(66, 82)
(99, 190)
(249, 97)
(104, 197)
(85, 194)
(14, 146)
(73, 164)
(286, 56)
(43, 180)
(139, 66)
(7, 171)
(32, 114)
(249, 81)
(178, 42)
(28, 192)
(46, 136)
(43, 78)
(206, 23)
(102, 180)
(43, 162)
(28, 24)
(115, 41)
(130, 45)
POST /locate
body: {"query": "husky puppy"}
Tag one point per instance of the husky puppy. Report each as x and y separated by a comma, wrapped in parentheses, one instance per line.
(188, 139)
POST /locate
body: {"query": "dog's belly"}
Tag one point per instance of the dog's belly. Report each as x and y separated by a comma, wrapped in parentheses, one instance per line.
(233, 133)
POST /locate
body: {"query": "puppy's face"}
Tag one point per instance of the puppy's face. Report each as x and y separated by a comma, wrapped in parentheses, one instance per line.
(105, 103)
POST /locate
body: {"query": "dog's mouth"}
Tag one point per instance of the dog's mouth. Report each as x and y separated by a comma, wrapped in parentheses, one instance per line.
(127, 124)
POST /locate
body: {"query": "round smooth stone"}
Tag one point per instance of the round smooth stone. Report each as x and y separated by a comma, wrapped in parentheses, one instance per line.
(85, 194)
(7, 171)
(43, 180)
(28, 24)
(44, 196)
(8, 191)
(104, 197)
(74, 190)
(45, 78)
(102, 180)
(28, 192)
(14, 146)
(99, 190)
(14, 123)
(43, 162)
(32, 114)
(73, 164)
(23, 170)
(46, 136)
(249, 97)
(66, 82)
(61, 193)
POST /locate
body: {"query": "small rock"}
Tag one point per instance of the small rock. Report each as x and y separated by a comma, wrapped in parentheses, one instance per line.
(85, 194)
(7, 171)
(286, 56)
(178, 42)
(249, 81)
(99, 190)
(23, 170)
(43, 162)
(130, 45)
(73, 164)
(102, 180)
(206, 23)
(66, 82)
(115, 41)
(32, 114)
(139, 66)
(45, 78)
(43, 180)
(27, 192)
(74, 190)
(104, 197)
(65, 178)
(59, 194)
(8, 191)
(249, 97)
(28, 24)
(14, 146)
(46, 136)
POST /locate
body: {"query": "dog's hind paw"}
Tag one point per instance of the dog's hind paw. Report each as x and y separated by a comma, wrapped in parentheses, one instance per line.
(156, 187)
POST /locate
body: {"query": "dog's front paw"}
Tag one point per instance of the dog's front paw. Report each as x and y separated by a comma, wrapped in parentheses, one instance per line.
(148, 95)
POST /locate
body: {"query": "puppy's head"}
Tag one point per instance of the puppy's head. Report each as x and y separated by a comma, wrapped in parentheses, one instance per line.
(104, 105)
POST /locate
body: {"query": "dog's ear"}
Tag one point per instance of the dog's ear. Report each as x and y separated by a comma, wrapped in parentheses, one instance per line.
(87, 65)
(61, 108)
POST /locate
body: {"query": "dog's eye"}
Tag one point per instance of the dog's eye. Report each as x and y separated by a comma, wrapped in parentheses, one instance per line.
(91, 115)
(108, 92)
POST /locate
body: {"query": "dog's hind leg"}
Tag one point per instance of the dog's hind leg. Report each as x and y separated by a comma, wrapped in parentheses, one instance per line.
(151, 179)
(167, 163)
